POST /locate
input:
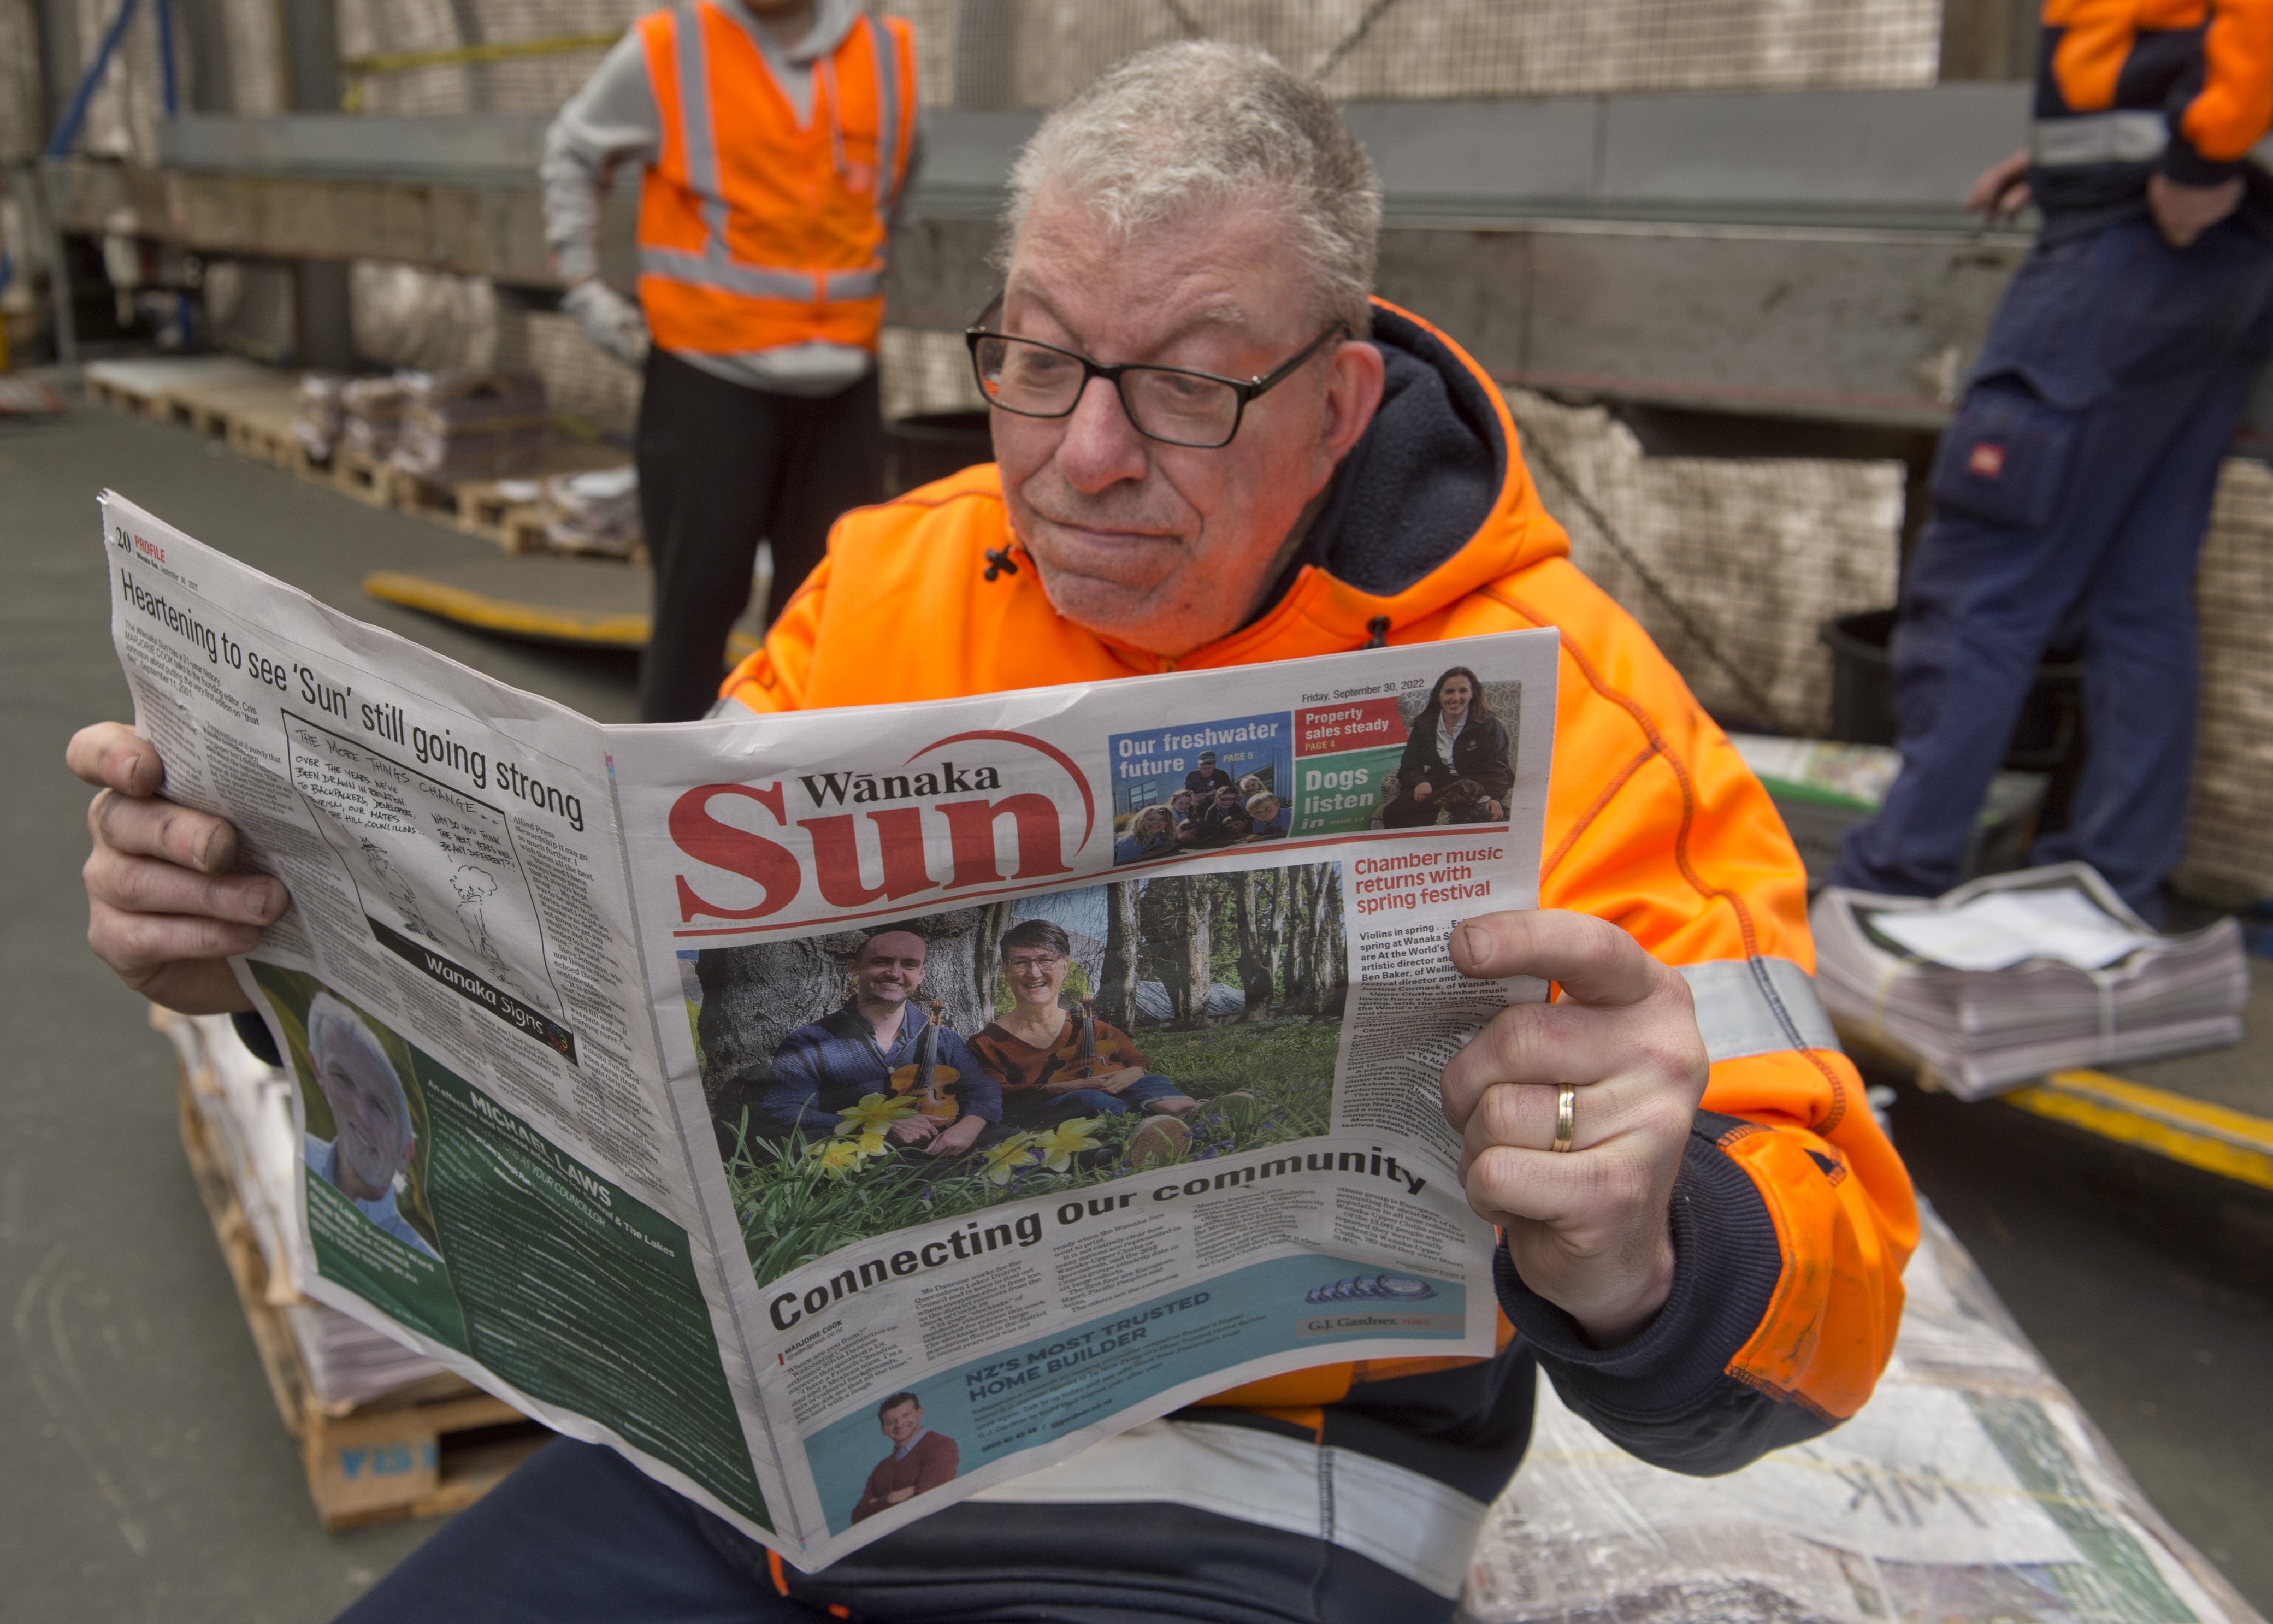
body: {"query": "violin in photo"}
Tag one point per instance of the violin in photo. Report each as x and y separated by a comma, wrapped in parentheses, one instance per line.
(925, 1078)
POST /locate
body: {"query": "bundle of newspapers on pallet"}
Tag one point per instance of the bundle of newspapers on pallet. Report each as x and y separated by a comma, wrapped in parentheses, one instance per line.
(593, 511)
(246, 1106)
(2016, 975)
(473, 425)
(318, 414)
(371, 415)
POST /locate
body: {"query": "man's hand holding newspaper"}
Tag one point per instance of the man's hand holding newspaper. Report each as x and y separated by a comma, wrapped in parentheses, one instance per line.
(1586, 1228)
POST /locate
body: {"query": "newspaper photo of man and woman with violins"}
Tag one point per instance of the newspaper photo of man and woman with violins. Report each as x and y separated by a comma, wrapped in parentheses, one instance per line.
(918, 1069)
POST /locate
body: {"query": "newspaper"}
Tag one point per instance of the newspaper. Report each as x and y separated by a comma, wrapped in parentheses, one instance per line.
(666, 1080)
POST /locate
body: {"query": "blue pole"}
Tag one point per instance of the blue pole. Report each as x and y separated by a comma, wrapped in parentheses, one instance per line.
(166, 57)
(59, 143)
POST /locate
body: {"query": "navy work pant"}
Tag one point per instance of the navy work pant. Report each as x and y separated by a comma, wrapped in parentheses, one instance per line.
(723, 467)
(578, 1535)
(2070, 496)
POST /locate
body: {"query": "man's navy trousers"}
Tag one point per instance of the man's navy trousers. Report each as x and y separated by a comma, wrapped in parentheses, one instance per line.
(2070, 496)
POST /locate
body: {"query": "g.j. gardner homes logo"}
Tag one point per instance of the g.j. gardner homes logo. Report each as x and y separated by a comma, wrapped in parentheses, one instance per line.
(986, 808)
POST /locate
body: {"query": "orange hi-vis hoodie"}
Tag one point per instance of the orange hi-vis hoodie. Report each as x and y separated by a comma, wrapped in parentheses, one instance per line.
(1792, 1216)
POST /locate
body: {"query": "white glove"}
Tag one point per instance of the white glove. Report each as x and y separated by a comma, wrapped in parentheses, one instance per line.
(612, 322)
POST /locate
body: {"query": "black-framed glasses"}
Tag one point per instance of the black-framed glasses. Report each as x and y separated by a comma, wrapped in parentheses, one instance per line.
(1174, 405)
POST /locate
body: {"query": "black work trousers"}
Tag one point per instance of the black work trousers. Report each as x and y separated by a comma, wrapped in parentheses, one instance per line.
(722, 467)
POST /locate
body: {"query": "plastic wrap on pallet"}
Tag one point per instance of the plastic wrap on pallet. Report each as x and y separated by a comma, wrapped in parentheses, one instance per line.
(1971, 1488)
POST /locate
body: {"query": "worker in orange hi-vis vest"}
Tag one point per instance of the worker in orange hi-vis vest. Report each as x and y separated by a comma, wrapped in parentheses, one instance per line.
(778, 137)
(1214, 450)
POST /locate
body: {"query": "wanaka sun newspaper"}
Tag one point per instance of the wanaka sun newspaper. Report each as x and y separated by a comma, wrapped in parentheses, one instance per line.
(840, 1112)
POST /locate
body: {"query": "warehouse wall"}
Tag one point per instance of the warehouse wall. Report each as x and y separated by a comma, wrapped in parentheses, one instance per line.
(21, 112)
(2230, 834)
(1755, 552)
(1034, 53)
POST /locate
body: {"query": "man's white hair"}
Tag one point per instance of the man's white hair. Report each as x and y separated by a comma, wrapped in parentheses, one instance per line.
(337, 1035)
(1179, 129)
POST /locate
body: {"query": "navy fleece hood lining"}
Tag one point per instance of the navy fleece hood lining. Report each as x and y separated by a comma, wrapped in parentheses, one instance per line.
(1419, 483)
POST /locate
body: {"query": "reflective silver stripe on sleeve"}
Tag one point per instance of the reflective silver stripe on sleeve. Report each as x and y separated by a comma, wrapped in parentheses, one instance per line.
(715, 270)
(1748, 1006)
(2099, 137)
(1411, 1524)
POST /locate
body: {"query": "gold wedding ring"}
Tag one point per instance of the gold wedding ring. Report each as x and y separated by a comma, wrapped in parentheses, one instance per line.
(1567, 1117)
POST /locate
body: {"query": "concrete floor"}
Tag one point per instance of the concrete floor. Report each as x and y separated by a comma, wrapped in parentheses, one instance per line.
(149, 1476)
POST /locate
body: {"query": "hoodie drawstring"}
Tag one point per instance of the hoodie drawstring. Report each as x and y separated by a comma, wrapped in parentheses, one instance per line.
(1377, 629)
(999, 562)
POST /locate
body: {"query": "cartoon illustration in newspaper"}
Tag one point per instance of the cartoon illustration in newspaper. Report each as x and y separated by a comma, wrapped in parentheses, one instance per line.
(397, 831)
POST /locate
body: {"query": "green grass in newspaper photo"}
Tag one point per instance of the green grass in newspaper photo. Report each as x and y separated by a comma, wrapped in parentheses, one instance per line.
(1231, 987)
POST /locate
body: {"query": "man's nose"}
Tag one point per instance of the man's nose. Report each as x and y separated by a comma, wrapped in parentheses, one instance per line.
(1101, 446)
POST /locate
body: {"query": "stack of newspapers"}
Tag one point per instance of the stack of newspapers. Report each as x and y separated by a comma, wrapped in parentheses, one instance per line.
(372, 415)
(2016, 975)
(318, 414)
(593, 511)
(246, 1105)
(473, 425)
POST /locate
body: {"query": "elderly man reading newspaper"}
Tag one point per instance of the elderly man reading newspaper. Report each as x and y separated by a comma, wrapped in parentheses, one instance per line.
(1214, 449)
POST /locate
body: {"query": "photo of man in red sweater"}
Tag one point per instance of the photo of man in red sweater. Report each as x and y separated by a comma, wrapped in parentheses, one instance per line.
(922, 1460)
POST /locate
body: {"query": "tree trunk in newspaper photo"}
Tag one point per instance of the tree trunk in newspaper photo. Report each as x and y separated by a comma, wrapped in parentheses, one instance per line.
(1257, 897)
(1116, 986)
(1173, 913)
(1315, 977)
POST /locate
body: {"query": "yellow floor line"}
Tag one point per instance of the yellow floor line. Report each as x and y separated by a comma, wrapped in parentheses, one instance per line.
(540, 622)
(2214, 1138)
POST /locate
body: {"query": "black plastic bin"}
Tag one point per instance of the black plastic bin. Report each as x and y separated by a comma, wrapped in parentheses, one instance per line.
(928, 445)
(2048, 732)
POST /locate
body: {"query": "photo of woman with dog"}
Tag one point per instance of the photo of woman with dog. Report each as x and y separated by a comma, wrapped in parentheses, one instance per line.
(1456, 765)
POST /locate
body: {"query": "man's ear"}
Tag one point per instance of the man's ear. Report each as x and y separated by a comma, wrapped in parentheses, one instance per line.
(1356, 379)
(409, 1149)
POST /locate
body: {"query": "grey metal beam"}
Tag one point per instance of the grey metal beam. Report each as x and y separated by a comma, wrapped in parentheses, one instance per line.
(1842, 157)
(501, 148)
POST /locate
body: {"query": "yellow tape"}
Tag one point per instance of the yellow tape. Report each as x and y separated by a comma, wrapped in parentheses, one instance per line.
(542, 623)
(2230, 1143)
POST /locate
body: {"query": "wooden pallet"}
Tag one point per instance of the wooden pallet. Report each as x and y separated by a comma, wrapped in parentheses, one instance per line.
(125, 396)
(364, 478)
(501, 512)
(423, 1450)
(253, 415)
(169, 389)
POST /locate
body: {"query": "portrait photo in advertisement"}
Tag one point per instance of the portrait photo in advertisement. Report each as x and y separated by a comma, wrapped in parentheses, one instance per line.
(366, 1117)
(924, 1067)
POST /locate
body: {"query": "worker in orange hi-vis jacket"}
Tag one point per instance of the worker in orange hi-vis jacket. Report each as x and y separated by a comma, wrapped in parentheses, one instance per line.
(1213, 450)
(2071, 490)
(778, 137)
